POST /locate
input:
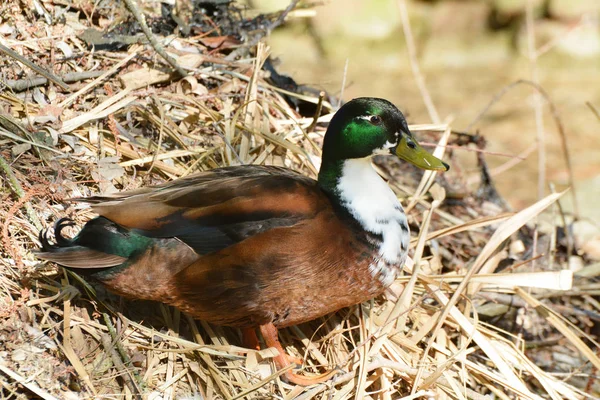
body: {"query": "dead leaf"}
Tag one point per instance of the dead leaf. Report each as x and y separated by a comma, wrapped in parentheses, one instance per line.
(143, 77)
(106, 171)
(19, 149)
(223, 42)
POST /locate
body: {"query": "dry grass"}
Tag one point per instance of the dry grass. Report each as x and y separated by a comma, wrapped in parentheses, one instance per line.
(459, 325)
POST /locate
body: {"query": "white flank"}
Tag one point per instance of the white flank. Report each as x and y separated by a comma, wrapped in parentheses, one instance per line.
(371, 201)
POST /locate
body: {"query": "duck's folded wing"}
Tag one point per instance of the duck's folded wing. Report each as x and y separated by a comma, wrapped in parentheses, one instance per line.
(212, 210)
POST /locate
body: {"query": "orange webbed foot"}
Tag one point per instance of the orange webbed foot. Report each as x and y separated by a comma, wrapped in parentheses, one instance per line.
(269, 332)
(295, 360)
(303, 380)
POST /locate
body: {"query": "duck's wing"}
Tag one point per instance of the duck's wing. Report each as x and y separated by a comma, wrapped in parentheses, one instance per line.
(215, 209)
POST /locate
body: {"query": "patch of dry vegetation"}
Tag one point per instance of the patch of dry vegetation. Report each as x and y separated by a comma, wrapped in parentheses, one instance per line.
(488, 304)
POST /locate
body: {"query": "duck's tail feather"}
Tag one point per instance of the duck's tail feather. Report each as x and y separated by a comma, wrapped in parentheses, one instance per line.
(79, 257)
(127, 262)
(79, 252)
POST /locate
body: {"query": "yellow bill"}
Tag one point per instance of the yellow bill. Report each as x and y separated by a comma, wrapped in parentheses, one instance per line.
(409, 150)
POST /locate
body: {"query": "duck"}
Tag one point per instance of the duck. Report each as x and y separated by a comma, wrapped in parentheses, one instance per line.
(259, 247)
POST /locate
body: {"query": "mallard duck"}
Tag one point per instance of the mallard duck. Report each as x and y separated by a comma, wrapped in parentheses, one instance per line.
(259, 246)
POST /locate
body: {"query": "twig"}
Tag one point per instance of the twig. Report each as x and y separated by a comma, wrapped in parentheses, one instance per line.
(539, 113)
(516, 160)
(344, 76)
(161, 132)
(594, 110)
(18, 190)
(490, 153)
(549, 45)
(120, 357)
(414, 63)
(278, 21)
(523, 262)
(4, 132)
(10, 214)
(251, 103)
(313, 124)
(152, 39)
(557, 121)
(568, 235)
(35, 67)
(18, 85)
(281, 17)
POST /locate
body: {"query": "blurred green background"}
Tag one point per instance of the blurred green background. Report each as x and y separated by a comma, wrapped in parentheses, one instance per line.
(468, 51)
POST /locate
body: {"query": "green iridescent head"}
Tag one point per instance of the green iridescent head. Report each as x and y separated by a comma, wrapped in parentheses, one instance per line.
(368, 126)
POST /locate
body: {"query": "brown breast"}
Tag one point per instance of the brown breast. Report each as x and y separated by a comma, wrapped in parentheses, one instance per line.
(286, 275)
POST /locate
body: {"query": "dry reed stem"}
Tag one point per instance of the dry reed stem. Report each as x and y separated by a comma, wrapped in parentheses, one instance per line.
(414, 63)
(539, 114)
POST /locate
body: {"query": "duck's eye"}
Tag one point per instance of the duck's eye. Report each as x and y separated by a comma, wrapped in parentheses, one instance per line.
(375, 120)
